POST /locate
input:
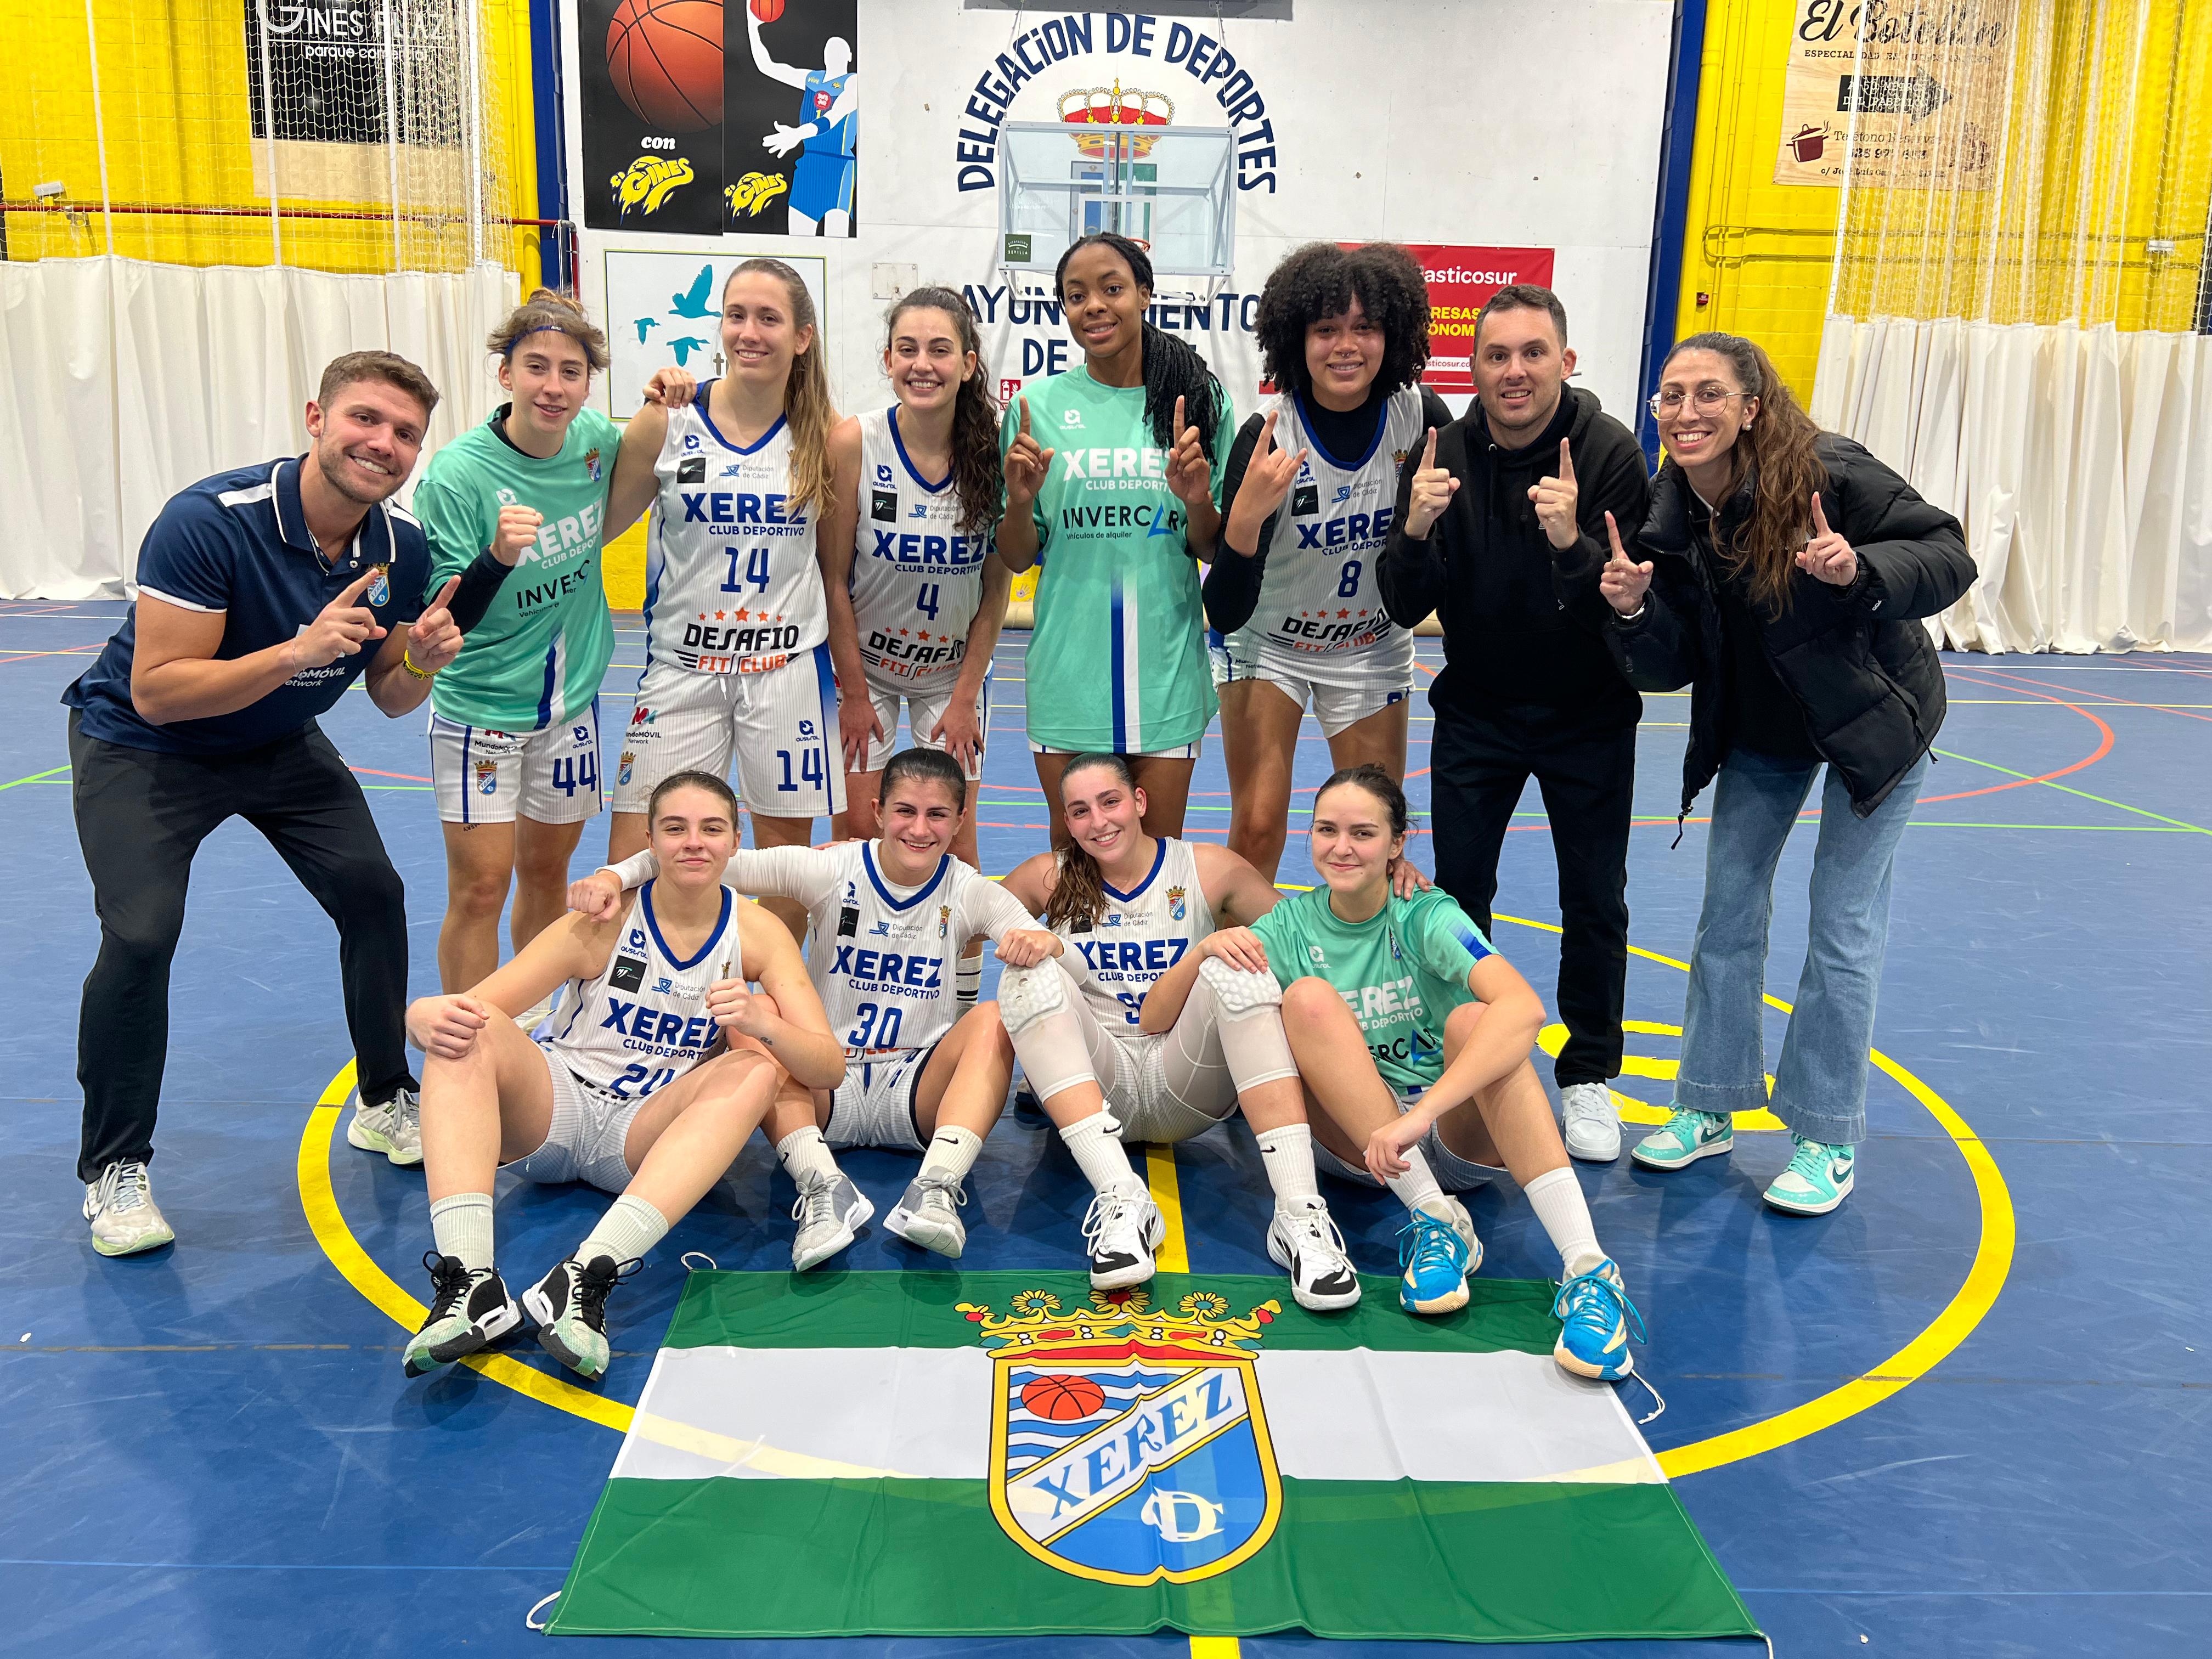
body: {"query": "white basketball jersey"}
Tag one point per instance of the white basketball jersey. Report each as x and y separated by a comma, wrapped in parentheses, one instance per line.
(643, 1022)
(1139, 935)
(883, 956)
(917, 576)
(1319, 600)
(731, 583)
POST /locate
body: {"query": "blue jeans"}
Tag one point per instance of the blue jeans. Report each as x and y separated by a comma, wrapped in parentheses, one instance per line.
(1820, 1087)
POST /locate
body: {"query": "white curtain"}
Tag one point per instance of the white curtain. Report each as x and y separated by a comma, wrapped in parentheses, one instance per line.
(2079, 460)
(125, 381)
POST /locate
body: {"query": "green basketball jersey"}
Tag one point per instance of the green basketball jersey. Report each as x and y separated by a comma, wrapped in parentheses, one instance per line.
(541, 650)
(1117, 659)
(1401, 972)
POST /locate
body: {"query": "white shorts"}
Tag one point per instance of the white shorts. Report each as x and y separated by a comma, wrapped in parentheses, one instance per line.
(1337, 704)
(1454, 1174)
(874, 1106)
(548, 776)
(780, 724)
(926, 704)
(1189, 751)
(584, 1142)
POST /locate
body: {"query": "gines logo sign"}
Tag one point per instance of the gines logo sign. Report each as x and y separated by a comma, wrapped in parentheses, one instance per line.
(648, 182)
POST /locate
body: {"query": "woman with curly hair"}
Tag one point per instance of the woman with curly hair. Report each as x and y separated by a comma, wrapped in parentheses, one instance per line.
(1117, 659)
(1311, 486)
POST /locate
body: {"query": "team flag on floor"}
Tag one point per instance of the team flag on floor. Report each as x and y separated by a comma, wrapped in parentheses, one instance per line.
(994, 1454)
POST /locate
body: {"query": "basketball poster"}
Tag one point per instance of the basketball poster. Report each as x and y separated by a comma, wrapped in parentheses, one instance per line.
(652, 86)
(791, 123)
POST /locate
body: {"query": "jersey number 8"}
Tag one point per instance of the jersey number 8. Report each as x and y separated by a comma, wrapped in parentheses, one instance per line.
(1347, 587)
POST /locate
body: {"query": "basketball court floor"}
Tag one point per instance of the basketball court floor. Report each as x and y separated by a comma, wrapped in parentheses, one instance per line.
(1964, 1415)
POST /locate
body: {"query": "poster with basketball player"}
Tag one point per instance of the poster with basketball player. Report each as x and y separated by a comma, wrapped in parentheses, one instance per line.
(652, 95)
(791, 121)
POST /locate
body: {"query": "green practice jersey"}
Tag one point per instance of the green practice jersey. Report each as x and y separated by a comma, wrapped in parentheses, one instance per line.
(540, 654)
(1117, 660)
(1401, 972)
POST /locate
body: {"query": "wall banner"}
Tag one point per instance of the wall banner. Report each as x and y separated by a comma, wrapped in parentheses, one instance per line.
(1920, 56)
(1460, 281)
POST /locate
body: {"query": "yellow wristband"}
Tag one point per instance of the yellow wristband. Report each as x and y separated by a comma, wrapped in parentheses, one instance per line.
(407, 662)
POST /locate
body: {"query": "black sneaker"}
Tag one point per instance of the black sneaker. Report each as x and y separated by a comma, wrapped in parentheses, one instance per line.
(468, 1311)
(570, 1306)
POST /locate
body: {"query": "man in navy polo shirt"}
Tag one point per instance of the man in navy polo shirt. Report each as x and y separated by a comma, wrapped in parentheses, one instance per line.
(263, 595)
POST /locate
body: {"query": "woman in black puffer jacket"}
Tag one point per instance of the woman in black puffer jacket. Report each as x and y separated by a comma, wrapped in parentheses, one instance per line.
(1784, 573)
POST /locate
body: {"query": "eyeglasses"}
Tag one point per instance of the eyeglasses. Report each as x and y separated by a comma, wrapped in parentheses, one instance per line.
(1707, 400)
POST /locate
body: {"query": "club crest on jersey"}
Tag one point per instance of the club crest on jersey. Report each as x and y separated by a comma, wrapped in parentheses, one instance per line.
(944, 919)
(1176, 909)
(628, 759)
(592, 468)
(379, 588)
(487, 777)
(1128, 1444)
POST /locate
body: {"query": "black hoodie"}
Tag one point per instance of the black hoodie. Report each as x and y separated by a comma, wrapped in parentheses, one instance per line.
(1523, 621)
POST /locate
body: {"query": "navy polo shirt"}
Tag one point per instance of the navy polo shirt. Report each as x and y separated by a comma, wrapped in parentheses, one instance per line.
(239, 544)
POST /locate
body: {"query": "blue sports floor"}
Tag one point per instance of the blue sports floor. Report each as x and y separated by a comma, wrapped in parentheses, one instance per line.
(1966, 1414)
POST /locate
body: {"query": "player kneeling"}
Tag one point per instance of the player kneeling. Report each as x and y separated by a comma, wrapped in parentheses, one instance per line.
(887, 918)
(1414, 1035)
(660, 1065)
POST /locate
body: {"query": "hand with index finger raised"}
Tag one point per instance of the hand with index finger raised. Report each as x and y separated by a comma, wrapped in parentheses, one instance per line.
(1623, 581)
(1432, 490)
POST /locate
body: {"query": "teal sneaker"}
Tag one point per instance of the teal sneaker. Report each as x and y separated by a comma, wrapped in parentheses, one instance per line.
(1684, 1139)
(1818, 1179)
(1435, 1258)
(1600, 1321)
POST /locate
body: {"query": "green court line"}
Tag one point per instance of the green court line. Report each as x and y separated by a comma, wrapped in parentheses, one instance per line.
(36, 777)
(2101, 800)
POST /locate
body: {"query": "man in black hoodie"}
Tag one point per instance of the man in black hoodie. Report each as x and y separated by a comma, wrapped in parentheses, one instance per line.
(1501, 530)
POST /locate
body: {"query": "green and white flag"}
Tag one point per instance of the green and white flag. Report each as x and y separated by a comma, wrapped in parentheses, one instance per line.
(990, 1454)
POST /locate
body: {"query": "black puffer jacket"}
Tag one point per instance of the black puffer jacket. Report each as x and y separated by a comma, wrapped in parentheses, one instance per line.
(1856, 659)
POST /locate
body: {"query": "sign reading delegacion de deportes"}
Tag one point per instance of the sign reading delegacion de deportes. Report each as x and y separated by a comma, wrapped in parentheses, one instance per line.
(1117, 69)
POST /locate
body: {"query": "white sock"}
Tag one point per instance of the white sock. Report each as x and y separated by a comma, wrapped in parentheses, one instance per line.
(804, 1151)
(1286, 1154)
(951, 1153)
(1096, 1143)
(968, 979)
(629, 1229)
(461, 1224)
(1556, 1198)
(1417, 1188)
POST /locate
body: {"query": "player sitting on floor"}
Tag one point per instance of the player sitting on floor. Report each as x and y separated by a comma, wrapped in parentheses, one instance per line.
(1407, 1015)
(1133, 907)
(888, 917)
(659, 1066)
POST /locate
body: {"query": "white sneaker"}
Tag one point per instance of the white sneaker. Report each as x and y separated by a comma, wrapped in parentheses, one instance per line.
(929, 1215)
(1593, 1121)
(829, 1211)
(394, 1128)
(120, 1207)
(1303, 1240)
(1120, 1230)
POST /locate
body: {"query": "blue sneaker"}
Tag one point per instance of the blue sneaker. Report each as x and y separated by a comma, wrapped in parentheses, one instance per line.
(1436, 1257)
(1600, 1320)
(1684, 1139)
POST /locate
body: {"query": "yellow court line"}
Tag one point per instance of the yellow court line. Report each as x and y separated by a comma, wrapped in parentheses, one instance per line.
(1174, 1254)
(361, 1272)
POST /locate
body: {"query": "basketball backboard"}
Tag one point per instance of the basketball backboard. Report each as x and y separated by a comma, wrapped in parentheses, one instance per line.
(1172, 188)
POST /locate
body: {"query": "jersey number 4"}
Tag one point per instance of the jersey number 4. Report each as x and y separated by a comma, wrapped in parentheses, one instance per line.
(755, 571)
(926, 601)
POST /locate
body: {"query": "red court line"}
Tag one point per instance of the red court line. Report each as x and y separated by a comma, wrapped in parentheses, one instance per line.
(2103, 749)
(65, 651)
(2102, 696)
(404, 777)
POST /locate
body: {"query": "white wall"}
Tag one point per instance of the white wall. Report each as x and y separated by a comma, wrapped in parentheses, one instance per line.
(1466, 122)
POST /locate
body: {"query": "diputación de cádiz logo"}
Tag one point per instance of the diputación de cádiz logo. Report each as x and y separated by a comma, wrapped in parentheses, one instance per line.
(1128, 1444)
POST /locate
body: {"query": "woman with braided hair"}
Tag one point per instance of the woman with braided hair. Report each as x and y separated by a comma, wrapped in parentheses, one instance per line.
(1113, 470)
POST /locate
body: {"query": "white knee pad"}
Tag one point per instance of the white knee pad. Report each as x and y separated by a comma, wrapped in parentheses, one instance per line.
(1238, 993)
(1027, 995)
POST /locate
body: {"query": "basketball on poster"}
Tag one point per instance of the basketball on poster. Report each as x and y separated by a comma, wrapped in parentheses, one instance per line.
(701, 116)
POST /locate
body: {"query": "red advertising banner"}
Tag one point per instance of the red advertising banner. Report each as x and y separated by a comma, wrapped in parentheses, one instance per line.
(1461, 281)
